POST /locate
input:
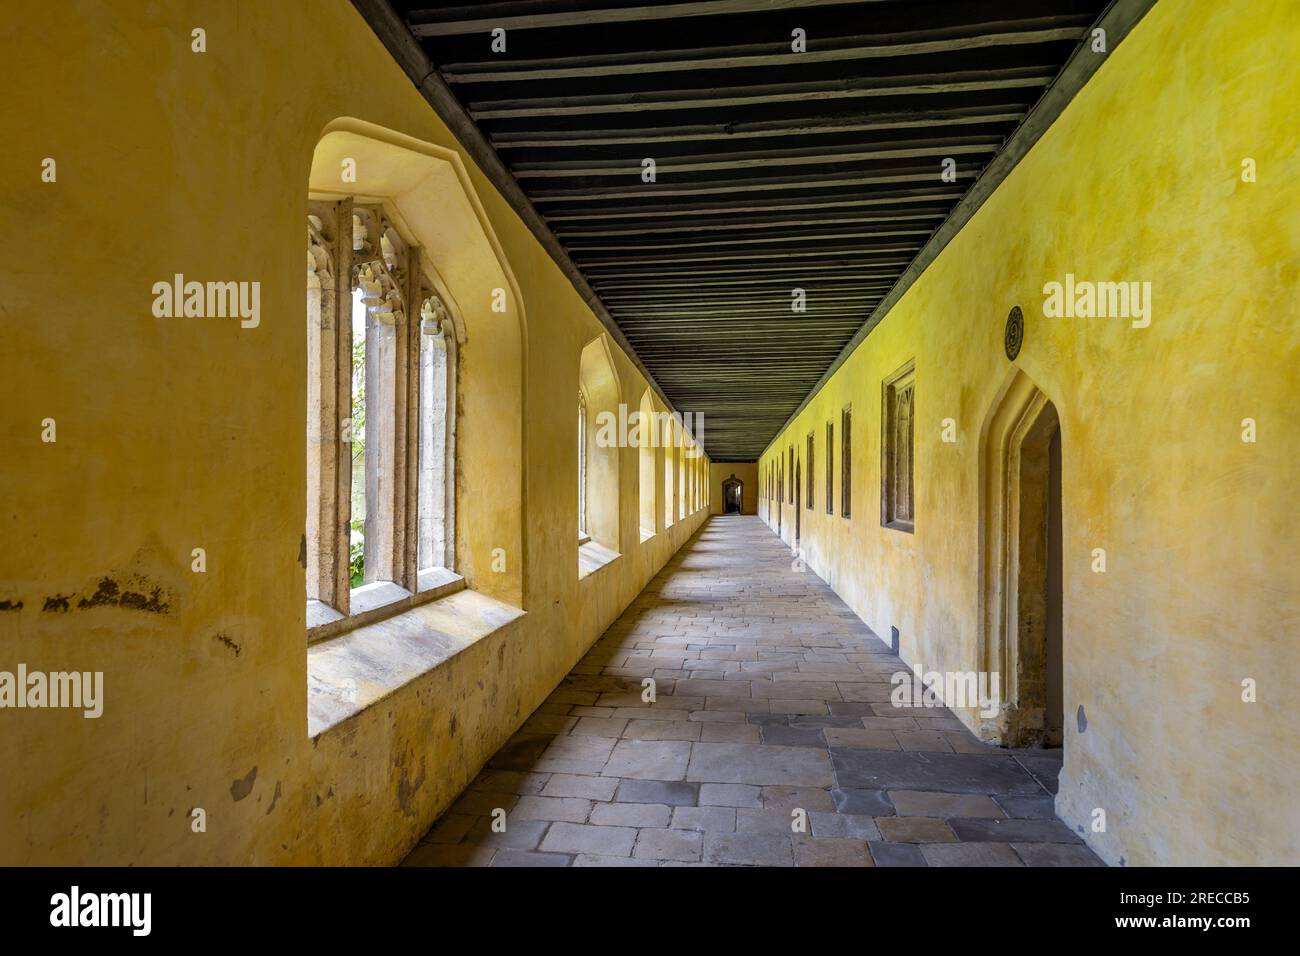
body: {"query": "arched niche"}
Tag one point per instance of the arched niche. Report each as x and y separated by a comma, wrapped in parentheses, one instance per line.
(647, 471)
(425, 190)
(600, 392)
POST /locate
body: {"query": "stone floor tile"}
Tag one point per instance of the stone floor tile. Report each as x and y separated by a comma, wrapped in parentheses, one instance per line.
(932, 803)
(851, 825)
(897, 854)
(871, 803)
(792, 736)
(663, 730)
(663, 714)
(860, 738)
(595, 859)
(872, 722)
(759, 764)
(519, 834)
(1056, 854)
(964, 742)
(926, 741)
(529, 858)
(577, 755)
(598, 727)
(867, 692)
(649, 759)
(633, 814)
(721, 819)
(1035, 807)
(748, 849)
(804, 798)
(764, 821)
(969, 854)
(591, 711)
(510, 781)
(915, 830)
(730, 795)
(718, 716)
(812, 851)
(730, 734)
(678, 845)
(587, 838)
(1013, 831)
(585, 786)
(798, 706)
(672, 793)
(957, 773)
(572, 809)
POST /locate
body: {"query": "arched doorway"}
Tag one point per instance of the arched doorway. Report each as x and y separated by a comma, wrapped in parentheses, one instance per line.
(1021, 638)
(732, 495)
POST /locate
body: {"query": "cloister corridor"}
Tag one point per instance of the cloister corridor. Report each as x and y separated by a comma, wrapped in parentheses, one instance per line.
(649, 433)
(771, 696)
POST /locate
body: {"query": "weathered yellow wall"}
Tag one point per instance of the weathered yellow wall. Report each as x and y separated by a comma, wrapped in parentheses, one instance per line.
(1140, 180)
(746, 472)
(175, 434)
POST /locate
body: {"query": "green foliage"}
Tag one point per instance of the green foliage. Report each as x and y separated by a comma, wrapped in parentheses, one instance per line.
(358, 397)
(357, 560)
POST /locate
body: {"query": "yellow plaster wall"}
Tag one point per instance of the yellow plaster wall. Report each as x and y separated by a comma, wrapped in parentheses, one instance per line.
(1139, 179)
(183, 433)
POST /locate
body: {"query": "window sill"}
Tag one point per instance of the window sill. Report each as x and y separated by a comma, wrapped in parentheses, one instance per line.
(378, 601)
(592, 557)
(362, 667)
(646, 535)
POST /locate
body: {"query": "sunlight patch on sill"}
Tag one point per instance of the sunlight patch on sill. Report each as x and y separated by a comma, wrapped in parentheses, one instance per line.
(592, 557)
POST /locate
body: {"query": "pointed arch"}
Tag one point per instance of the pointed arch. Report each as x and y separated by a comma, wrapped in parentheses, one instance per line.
(600, 393)
(1015, 459)
(647, 472)
(425, 191)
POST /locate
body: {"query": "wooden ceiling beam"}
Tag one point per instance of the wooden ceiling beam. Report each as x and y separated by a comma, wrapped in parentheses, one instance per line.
(948, 116)
(730, 98)
(753, 57)
(518, 16)
(937, 196)
(736, 225)
(725, 187)
(759, 159)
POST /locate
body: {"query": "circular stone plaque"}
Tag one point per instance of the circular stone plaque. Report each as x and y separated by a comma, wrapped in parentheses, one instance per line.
(1015, 332)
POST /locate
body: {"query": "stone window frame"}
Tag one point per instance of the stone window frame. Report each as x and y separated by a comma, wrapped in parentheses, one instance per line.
(360, 240)
(683, 485)
(811, 471)
(898, 449)
(830, 468)
(791, 475)
(583, 536)
(647, 468)
(846, 461)
(670, 470)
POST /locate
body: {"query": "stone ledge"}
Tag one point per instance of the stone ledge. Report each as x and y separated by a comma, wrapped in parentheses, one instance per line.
(351, 672)
(592, 557)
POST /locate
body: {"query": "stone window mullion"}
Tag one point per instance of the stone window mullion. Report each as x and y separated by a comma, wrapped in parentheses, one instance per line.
(329, 402)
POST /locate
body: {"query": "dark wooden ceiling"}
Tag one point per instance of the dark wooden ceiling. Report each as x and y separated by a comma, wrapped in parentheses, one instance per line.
(775, 170)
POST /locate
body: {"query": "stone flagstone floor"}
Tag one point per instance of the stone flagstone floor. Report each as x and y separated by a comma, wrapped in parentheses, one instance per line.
(771, 695)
